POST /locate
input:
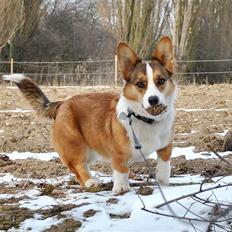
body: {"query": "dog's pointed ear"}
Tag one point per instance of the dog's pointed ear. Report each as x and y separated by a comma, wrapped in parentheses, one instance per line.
(163, 52)
(127, 59)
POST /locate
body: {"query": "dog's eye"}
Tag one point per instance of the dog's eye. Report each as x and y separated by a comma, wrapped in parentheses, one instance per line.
(140, 85)
(161, 81)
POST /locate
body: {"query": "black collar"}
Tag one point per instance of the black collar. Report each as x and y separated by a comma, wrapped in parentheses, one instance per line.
(139, 117)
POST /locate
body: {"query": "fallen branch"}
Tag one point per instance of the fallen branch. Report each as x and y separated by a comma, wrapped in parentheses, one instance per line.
(221, 213)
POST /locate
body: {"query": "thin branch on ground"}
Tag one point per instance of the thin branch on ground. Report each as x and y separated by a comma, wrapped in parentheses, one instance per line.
(219, 156)
(27, 180)
(193, 194)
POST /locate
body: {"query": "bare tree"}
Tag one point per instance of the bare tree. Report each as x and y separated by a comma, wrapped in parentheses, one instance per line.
(184, 28)
(32, 12)
(206, 38)
(16, 15)
(21, 24)
(62, 30)
(139, 23)
(11, 17)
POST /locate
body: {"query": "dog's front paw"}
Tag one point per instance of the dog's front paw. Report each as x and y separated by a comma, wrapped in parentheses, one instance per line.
(117, 188)
(121, 183)
(92, 183)
(163, 171)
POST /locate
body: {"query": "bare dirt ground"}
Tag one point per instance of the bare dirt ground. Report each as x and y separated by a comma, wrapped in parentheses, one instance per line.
(203, 110)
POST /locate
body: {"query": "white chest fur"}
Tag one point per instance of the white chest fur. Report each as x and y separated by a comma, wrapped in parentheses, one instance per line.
(153, 136)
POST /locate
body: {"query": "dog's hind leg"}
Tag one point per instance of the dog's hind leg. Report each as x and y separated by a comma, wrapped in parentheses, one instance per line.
(76, 160)
(73, 151)
(81, 170)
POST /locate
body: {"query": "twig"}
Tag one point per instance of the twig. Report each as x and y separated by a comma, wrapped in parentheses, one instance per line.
(224, 213)
(194, 227)
(156, 182)
(175, 216)
(220, 157)
(27, 180)
(183, 218)
(188, 209)
(217, 210)
(192, 194)
(207, 202)
(140, 198)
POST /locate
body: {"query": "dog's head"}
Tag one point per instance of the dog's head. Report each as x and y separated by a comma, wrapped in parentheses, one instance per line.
(149, 87)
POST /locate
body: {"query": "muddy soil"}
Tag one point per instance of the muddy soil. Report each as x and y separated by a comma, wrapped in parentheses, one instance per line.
(23, 131)
(38, 169)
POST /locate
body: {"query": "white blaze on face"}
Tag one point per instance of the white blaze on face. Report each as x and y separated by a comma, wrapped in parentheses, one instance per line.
(152, 90)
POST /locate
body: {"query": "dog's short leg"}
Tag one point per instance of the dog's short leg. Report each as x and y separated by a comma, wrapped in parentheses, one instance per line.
(77, 163)
(73, 151)
(120, 175)
(163, 168)
(83, 175)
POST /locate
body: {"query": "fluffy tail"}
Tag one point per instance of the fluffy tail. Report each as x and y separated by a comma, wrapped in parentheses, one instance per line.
(34, 95)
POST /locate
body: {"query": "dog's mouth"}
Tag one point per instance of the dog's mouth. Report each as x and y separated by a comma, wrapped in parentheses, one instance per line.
(157, 109)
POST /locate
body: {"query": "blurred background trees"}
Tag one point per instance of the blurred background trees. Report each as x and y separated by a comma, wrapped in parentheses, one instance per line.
(139, 23)
(61, 30)
(213, 38)
(67, 30)
(19, 18)
(11, 18)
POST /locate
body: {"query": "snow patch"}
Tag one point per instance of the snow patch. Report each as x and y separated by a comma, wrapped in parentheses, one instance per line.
(222, 133)
(34, 224)
(128, 203)
(189, 153)
(18, 110)
(29, 155)
(38, 202)
(199, 110)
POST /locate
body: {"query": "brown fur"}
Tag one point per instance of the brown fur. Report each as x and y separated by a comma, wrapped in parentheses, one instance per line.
(165, 153)
(37, 99)
(127, 60)
(164, 53)
(79, 128)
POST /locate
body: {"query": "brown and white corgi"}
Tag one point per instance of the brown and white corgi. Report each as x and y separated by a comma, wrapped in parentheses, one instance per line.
(90, 124)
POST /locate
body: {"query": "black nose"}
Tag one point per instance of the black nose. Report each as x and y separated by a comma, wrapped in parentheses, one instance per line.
(153, 100)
